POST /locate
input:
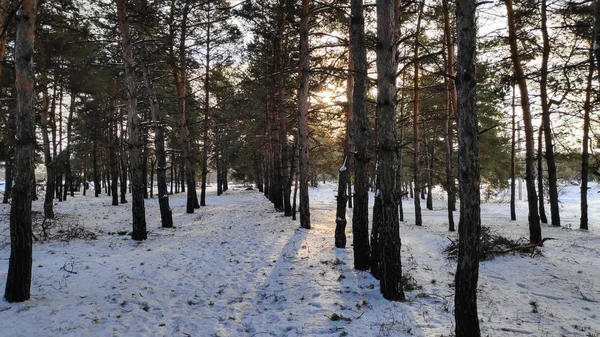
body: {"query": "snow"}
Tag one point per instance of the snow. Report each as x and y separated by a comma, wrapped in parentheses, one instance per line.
(238, 268)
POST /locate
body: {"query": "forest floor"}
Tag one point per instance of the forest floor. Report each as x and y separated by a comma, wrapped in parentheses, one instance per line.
(238, 268)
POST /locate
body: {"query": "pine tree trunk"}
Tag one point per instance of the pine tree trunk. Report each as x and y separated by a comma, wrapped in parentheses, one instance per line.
(585, 155)
(133, 130)
(340, 214)
(450, 112)
(388, 222)
(4, 12)
(550, 161)
(50, 177)
(360, 211)
(469, 227)
(513, 162)
(113, 143)
(206, 113)
(166, 215)
(303, 117)
(18, 278)
(96, 173)
(431, 154)
(416, 112)
(179, 71)
(280, 104)
(540, 177)
(535, 231)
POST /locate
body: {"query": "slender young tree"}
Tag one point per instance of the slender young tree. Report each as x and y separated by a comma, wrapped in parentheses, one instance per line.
(535, 231)
(585, 154)
(178, 63)
(113, 143)
(360, 211)
(513, 162)
(450, 113)
(48, 160)
(18, 279)
(303, 116)
(540, 176)
(389, 240)
(469, 226)
(550, 161)
(416, 111)
(133, 130)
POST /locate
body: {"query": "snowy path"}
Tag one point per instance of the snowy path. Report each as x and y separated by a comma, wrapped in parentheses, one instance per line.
(238, 268)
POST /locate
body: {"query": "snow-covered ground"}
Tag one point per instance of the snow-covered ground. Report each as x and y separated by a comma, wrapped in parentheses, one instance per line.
(238, 268)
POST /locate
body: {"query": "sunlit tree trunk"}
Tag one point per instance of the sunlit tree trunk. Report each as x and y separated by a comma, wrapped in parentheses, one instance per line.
(469, 227)
(303, 117)
(133, 130)
(18, 278)
(360, 212)
(535, 231)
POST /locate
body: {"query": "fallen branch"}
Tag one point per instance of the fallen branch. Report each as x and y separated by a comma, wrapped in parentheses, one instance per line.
(524, 247)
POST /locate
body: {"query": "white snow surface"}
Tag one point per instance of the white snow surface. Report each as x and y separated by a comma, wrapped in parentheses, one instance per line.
(239, 268)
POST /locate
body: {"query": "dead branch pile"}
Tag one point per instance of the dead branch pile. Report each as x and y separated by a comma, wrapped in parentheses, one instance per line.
(62, 228)
(493, 245)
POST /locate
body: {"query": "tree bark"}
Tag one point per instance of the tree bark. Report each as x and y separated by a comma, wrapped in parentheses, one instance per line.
(550, 161)
(18, 279)
(535, 231)
(113, 143)
(416, 108)
(450, 112)
(179, 71)
(585, 155)
(166, 216)
(340, 214)
(360, 211)
(206, 113)
(513, 162)
(391, 267)
(469, 227)
(303, 117)
(48, 161)
(540, 176)
(133, 130)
